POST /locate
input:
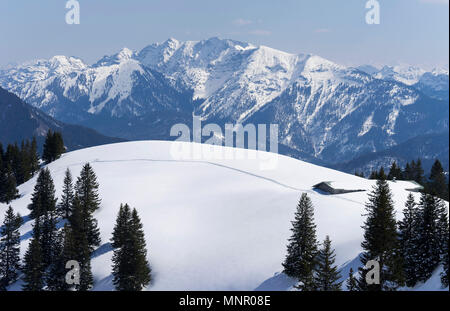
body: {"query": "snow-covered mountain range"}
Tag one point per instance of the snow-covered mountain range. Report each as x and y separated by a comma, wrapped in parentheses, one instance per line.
(328, 111)
(214, 224)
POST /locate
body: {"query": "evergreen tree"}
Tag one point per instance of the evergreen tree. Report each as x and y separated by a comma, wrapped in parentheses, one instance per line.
(443, 232)
(33, 265)
(56, 276)
(49, 238)
(418, 172)
(53, 146)
(444, 274)
(429, 241)
(9, 248)
(65, 206)
(408, 235)
(437, 183)
(408, 172)
(327, 275)
(121, 227)
(77, 244)
(9, 185)
(381, 174)
(131, 270)
(380, 239)
(395, 172)
(87, 195)
(352, 284)
(302, 248)
(34, 157)
(43, 198)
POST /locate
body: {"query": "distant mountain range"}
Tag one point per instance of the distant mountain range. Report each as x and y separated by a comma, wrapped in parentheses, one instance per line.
(326, 112)
(19, 121)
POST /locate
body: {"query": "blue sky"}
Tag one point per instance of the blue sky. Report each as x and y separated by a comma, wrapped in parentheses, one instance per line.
(410, 32)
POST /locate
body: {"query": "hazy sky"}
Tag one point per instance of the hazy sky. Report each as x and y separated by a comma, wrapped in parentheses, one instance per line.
(410, 32)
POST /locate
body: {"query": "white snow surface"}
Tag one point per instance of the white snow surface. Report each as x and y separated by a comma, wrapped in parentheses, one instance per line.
(210, 224)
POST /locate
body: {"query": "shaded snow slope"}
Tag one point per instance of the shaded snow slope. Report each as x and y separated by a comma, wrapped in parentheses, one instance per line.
(209, 225)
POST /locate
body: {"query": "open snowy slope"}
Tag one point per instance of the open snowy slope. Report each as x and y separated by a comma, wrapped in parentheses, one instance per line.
(210, 224)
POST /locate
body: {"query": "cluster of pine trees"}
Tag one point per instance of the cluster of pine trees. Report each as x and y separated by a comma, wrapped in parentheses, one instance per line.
(17, 165)
(53, 146)
(20, 164)
(313, 266)
(408, 251)
(51, 247)
(435, 183)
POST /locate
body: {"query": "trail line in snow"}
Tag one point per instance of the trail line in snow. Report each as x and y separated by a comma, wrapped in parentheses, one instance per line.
(310, 191)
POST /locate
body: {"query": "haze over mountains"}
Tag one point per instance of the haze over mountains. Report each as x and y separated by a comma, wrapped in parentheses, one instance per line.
(326, 112)
(19, 121)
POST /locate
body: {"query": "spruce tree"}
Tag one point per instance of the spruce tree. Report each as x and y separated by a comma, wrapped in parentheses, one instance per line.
(56, 275)
(408, 238)
(33, 268)
(43, 198)
(53, 146)
(380, 239)
(352, 284)
(443, 232)
(302, 248)
(121, 227)
(418, 172)
(9, 185)
(89, 200)
(327, 274)
(131, 270)
(77, 244)
(408, 172)
(437, 183)
(9, 248)
(429, 241)
(64, 207)
(395, 172)
(34, 157)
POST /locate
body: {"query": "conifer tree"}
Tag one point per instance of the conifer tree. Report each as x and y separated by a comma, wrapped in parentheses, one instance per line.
(121, 228)
(9, 185)
(395, 172)
(64, 208)
(53, 146)
(380, 239)
(408, 173)
(33, 265)
(352, 284)
(9, 248)
(89, 200)
(382, 174)
(408, 236)
(438, 184)
(327, 274)
(443, 232)
(55, 277)
(77, 244)
(131, 270)
(302, 248)
(43, 198)
(418, 172)
(429, 241)
(34, 157)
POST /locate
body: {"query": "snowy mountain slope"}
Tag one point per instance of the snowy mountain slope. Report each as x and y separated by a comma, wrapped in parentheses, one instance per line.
(325, 110)
(20, 121)
(433, 83)
(210, 224)
(115, 86)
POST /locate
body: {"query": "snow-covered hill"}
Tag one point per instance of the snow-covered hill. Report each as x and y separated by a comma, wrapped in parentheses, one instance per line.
(211, 224)
(324, 109)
